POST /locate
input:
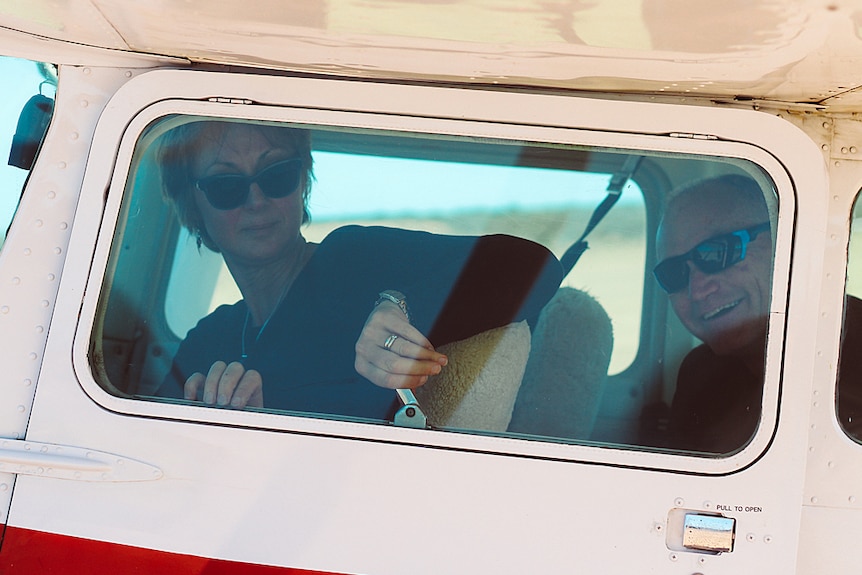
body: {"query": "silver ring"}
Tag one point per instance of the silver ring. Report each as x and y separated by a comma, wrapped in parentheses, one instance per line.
(387, 345)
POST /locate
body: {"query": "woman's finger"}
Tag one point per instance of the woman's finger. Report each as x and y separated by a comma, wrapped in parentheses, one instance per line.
(211, 384)
(228, 382)
(397, 365)
(192, 389)
(249, 392)
(390, 331)
(404, 347)
(391, 353)
(383, 378)
(390, 370)
(387, 319)
(418, 360)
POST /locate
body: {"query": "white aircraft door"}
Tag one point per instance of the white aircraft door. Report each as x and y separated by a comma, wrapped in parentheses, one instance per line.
(172, 485)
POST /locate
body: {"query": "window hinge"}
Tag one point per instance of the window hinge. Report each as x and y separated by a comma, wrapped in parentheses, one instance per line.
(691, 136)
(220, 100)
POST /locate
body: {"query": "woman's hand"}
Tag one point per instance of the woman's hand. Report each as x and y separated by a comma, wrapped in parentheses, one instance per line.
(392, 353)
(226, 385)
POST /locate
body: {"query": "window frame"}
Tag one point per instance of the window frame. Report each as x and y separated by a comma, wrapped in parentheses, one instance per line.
(520, 117)
(854, 254)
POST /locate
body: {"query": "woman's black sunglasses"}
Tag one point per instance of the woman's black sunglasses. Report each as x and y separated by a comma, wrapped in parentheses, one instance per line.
(230, 191)
(710, 256)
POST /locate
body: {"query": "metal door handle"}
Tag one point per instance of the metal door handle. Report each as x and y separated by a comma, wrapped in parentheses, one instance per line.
(65, 462)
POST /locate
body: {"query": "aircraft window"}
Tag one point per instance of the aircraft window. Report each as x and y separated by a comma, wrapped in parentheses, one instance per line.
(849, 397)
(714, 249)
(292, 266)
(25, 111)
(467, 199)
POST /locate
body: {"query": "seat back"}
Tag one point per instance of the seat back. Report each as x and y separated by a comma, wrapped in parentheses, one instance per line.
(548, 384)
(567, 369)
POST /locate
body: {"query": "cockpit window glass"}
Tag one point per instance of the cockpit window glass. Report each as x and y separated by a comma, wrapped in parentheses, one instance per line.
(463, 198)
(26, 106)
(311, 270)
(848, 396)
(714, 253)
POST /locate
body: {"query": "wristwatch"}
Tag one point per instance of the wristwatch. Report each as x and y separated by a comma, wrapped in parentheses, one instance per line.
(395, 297)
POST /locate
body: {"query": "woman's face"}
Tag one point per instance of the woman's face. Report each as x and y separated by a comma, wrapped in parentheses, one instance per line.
(262, 229)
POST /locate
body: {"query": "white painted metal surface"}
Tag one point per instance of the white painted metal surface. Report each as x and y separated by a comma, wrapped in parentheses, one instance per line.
(260, 489)
(32, 260)
(765, 49)
(513, 509)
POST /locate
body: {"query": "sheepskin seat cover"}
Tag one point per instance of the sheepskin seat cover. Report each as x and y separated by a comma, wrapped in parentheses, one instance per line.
(549, 384)
(477, 390)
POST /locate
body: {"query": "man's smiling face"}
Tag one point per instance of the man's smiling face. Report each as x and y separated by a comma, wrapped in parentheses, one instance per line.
(728, 310)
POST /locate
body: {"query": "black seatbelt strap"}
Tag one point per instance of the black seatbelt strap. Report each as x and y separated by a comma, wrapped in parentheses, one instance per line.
(615, 190)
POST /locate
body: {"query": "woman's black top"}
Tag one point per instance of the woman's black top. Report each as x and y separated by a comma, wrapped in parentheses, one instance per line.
(455, 287)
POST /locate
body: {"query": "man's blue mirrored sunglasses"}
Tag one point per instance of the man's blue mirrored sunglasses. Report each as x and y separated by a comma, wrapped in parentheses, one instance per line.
(710, 256)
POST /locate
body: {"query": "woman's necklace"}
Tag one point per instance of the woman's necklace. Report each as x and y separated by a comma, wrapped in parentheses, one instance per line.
(298, 268)
(244, 354)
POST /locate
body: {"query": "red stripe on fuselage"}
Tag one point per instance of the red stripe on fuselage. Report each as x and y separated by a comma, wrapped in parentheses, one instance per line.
(28, 552)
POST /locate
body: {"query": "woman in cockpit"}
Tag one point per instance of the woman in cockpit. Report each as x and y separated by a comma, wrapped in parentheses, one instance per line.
(318, 322)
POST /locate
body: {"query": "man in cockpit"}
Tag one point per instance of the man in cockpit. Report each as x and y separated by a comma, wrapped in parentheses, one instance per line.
(715, 249)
